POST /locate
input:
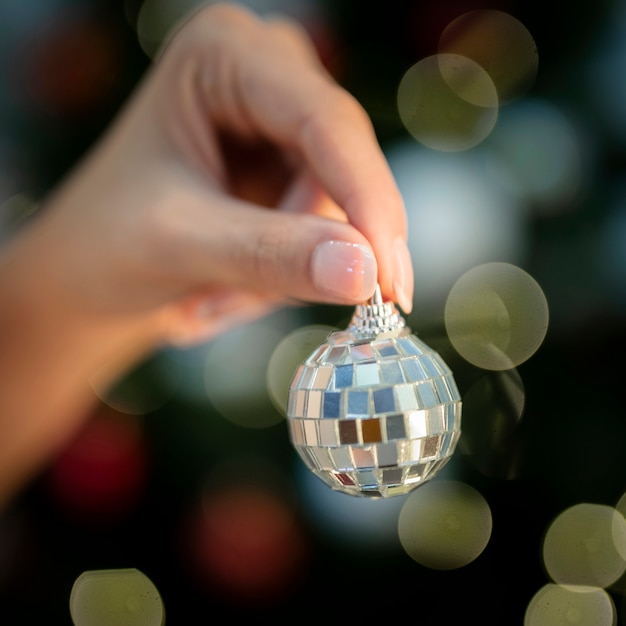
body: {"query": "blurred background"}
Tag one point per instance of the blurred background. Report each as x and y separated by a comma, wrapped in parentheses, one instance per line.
(505, 125)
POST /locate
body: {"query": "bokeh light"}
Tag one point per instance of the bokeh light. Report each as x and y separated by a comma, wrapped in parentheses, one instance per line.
(100, 475)
(14, 211)
(134, 393)
(445, 524)
(492, 409)
(539, 154)
(124, 597)
(447, 102)
(496, 316)
(157, 20)
(364, 525)
(246, 543)
(457, 219)
(235, 375)
(68, 66)
(621, 505)
(500, 44)
(585, 545)
(554, 605)
(288, 354)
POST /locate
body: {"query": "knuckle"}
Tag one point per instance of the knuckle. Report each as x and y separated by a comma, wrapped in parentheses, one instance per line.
(338, 107)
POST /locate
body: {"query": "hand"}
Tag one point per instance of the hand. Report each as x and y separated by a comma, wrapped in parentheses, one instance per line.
(240, 176)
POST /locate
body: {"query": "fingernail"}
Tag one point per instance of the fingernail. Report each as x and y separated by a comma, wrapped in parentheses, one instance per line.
(403, 275)
(347, 270)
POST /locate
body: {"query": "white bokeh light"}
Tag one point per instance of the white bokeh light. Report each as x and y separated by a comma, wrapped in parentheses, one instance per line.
(363, 524)
(539, 154)
(457, 217)
(235, 374)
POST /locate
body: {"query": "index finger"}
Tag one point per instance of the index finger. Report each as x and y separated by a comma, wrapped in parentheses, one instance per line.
(261, 78)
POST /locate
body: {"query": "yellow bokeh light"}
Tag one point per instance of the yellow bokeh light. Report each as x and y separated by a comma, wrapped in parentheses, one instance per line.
(500, 44)
(496, 316)
(14, 211)
(585, 546)
(234, 375)
(124, 597)
(128, 393)
(158, 19)
(288, 354)
(617, 528)
(447, 102)
(444, 524)
(554, 605)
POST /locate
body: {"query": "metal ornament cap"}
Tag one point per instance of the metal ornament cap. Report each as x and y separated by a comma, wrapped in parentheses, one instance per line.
(374, 411)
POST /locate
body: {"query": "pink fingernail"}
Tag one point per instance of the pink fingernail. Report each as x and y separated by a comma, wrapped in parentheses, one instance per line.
(347, 270)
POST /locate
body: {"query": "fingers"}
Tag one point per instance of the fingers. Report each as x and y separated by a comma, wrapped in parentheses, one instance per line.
(231, 244)
(262, 79)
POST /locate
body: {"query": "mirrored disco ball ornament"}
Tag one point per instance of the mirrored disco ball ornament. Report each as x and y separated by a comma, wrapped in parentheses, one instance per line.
(373, 411)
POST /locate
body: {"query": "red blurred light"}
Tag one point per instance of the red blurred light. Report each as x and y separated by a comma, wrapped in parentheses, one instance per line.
(101, 474)
(69, 67)
(247, 544)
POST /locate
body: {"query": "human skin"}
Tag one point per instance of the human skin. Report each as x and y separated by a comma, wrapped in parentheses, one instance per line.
(238, 178)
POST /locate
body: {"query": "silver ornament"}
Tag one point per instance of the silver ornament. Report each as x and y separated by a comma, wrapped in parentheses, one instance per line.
(373, 411)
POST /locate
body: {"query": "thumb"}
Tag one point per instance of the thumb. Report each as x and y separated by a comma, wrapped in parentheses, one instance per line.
(303, 256)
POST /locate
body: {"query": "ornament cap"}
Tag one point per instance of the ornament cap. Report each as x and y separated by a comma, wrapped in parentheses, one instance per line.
(375, 317)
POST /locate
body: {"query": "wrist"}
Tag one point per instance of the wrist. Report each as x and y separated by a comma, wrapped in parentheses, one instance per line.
(51, 353)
